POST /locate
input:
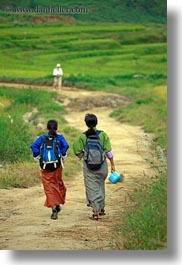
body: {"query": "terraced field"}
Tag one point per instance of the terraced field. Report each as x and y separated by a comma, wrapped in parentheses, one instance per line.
(103, 56)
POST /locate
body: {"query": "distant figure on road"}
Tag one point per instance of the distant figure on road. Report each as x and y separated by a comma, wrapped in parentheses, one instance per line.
(48, 148)
(94, 147)
(58, 73)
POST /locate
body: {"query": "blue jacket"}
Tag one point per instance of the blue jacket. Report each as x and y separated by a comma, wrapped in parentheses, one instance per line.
(35, 146)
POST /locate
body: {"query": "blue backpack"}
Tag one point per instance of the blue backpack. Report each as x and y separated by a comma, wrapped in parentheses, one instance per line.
(50, 154)
(93, 152)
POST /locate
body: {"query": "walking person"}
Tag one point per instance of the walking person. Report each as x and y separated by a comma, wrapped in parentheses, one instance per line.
(95, 167)
(58, 73)
(51, 150)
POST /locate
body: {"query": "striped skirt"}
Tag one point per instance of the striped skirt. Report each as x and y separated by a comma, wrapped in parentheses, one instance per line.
(95, 186)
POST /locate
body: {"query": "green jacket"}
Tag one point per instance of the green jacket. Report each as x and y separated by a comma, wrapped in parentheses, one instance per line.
(80, 142)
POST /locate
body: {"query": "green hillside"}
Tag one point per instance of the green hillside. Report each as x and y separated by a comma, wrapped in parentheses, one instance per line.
(126, 58)
(99, 56)
(97, 11)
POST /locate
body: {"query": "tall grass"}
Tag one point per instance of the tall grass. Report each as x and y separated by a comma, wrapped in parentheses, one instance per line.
(15, 139)
(145, 223)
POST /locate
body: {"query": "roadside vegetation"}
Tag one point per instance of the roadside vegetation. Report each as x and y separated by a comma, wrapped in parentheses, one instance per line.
(126, 58)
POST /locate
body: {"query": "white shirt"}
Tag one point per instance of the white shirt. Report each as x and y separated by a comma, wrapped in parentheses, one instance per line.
(57, 72)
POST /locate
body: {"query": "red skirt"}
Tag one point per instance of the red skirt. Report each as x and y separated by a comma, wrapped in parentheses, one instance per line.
(54, 187)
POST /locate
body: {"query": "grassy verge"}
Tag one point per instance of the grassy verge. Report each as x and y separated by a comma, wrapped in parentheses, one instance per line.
(145, 220)
(148, 109)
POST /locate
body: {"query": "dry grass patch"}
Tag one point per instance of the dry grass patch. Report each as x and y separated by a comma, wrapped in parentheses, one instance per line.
(20, 175)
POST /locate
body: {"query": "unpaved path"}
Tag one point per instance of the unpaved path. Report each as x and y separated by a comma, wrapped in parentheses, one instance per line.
(26, 225)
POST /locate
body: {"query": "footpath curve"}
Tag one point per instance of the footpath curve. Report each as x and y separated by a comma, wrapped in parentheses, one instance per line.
(25, 223)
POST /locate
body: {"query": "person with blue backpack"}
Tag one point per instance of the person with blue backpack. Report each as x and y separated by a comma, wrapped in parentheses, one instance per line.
(93, 146)
(51, 150)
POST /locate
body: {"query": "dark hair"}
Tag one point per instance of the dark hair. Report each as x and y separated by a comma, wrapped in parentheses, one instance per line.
(52, 126)
(91, 122)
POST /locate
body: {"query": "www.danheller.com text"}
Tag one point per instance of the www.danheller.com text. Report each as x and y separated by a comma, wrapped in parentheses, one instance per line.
(50, 9)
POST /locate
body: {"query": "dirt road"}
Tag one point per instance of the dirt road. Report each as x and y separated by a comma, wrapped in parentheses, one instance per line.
(26, 225)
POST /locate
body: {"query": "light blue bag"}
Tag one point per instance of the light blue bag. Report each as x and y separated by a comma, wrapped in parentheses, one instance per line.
(114, 177)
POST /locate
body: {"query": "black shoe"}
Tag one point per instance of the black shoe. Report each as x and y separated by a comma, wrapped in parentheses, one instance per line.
(54, 214)
(58, 208)
(102, 212)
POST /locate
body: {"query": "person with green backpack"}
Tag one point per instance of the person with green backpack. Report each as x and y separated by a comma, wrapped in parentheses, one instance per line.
(93, 146)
